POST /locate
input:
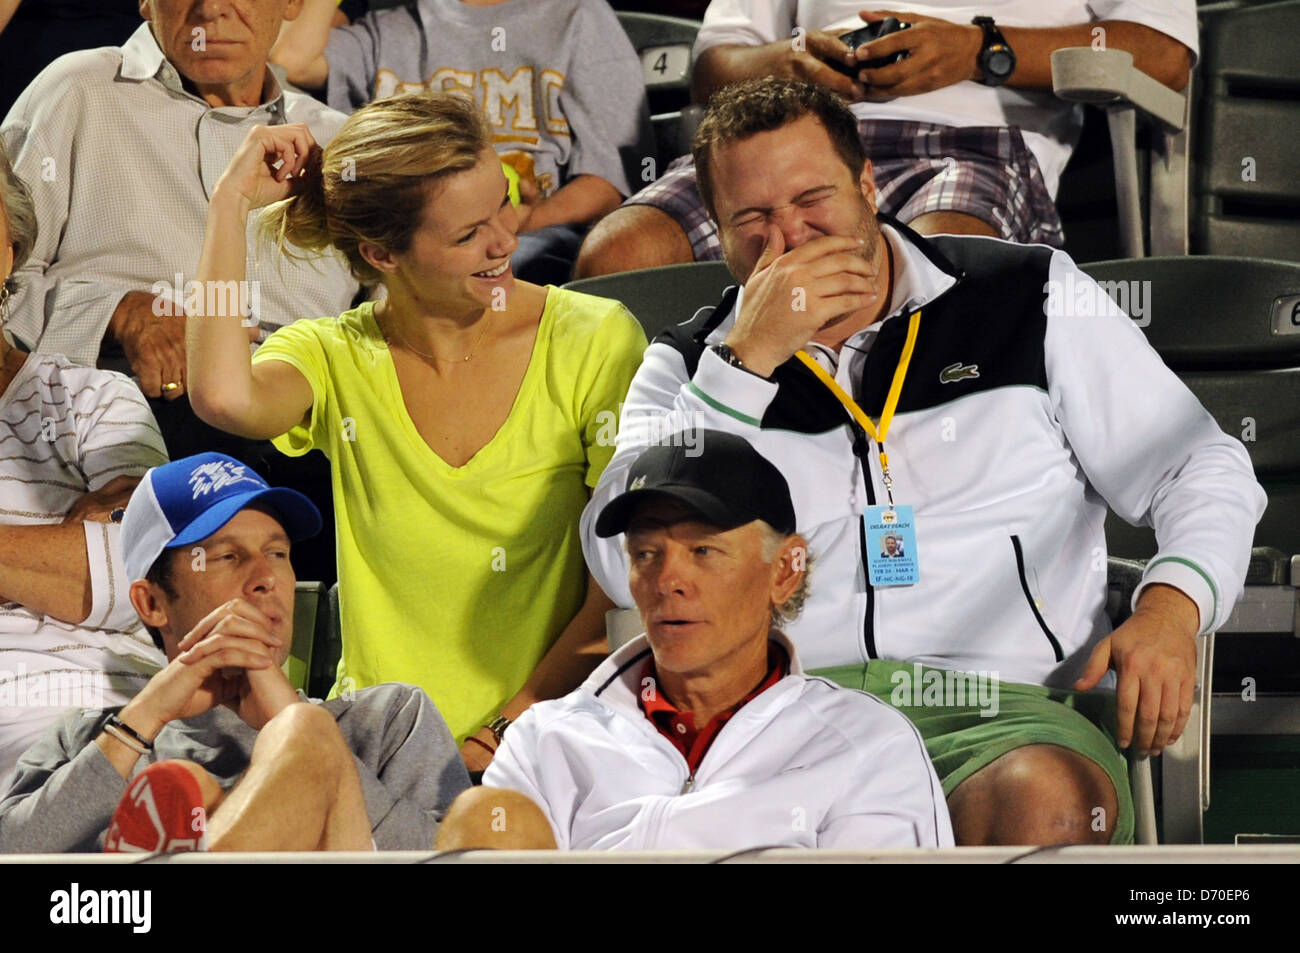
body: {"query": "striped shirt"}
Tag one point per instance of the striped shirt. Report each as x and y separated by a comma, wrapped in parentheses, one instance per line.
(122, 161)
(66, 431)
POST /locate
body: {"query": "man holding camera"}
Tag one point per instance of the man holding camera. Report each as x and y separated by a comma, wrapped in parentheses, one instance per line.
(956, 112)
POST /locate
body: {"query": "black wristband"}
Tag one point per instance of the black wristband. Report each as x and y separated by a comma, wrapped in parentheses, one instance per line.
(119, 724)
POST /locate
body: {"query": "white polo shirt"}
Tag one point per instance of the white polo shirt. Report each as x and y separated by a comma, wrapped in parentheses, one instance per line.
(121, 160)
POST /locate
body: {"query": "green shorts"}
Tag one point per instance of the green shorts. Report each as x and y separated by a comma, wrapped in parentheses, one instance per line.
(961, 739)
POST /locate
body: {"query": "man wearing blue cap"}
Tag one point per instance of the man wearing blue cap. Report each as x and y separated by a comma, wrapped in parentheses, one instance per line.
(218, 750)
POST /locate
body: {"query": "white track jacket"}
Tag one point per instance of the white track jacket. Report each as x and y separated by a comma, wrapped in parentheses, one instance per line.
(804, 764)
(1032, 402)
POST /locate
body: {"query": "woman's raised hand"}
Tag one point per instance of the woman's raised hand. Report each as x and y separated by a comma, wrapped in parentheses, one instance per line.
(267, 165)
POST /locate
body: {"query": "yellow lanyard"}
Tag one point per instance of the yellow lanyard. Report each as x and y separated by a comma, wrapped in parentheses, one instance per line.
(891, 401)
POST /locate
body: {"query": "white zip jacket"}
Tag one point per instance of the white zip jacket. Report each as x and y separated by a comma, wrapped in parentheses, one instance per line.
(804, 764)
(1031, 403)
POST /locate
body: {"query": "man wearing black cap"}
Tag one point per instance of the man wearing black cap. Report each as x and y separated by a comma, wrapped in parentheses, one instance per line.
(704, 732)
(218, 750)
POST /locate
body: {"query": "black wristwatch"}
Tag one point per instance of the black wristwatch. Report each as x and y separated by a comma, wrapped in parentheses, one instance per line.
(498, 726)
(725, 352)
(996, 60)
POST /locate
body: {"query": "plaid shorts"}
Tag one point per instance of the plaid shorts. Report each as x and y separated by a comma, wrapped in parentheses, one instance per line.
(984, 171)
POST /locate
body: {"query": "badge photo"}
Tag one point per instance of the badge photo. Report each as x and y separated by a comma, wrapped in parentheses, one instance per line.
(891, 546)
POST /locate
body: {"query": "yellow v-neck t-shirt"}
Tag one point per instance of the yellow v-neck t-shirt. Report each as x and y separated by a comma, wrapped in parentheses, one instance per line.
(458, 579)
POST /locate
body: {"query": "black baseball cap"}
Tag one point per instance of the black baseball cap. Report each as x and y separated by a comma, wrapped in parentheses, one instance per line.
(717, 474)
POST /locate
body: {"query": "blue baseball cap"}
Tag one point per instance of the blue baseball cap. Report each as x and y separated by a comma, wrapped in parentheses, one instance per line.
(188, 500)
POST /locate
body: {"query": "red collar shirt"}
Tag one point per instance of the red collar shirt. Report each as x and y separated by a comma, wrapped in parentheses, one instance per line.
(679, 726)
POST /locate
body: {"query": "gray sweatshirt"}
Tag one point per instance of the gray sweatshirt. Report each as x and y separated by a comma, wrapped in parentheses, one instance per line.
(64, 790)
(558, 80)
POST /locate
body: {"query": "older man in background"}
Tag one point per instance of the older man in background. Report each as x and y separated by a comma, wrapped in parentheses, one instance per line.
(122, 147)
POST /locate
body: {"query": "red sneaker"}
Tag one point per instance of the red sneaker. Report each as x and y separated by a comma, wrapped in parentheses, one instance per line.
(162, 810)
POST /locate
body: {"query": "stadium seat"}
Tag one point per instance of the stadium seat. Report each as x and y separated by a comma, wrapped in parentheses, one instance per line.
(662, 297)
(621, 627)
(1184, 767)
(1230, 328)
(327, 645)
(309, 598)
(1239, 191)
(665, 47)
(1246, 170)
(1107, 78)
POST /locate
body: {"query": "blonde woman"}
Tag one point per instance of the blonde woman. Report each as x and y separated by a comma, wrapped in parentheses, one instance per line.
(467, 415)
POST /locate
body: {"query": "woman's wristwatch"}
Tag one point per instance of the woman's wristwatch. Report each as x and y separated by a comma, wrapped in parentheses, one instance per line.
(498, 726)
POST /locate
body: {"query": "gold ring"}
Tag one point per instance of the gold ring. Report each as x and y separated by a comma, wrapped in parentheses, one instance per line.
(171, 385)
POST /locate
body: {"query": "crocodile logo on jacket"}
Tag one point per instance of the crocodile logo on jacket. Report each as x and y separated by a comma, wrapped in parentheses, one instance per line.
(957, 371)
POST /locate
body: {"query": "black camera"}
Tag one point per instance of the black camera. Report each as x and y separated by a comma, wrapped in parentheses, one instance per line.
(872, 31)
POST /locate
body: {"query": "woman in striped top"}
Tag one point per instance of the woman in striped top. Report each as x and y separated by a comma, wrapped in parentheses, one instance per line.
(74, 441)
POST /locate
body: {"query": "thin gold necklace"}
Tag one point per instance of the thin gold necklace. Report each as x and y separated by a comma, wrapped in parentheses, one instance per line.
(433, 357)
